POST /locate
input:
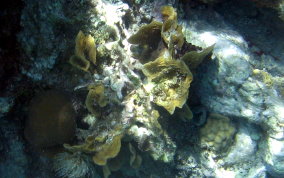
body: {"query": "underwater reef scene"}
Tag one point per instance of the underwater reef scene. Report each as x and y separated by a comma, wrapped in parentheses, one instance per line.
(142, 89)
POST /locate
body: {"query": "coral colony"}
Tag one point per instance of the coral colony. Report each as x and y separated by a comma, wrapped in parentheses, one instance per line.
(168, 78)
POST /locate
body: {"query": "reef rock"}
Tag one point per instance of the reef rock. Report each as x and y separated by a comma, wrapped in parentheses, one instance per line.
(274, 157)
(245, 79)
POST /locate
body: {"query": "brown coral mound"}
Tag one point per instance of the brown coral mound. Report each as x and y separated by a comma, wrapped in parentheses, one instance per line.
(51, 120)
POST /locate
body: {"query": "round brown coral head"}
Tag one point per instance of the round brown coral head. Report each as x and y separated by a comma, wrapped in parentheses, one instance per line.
(51, 120)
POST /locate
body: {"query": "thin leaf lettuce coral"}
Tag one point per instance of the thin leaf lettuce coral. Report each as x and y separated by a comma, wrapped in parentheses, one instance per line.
(85, 52)
(170, 80)
(108, 151)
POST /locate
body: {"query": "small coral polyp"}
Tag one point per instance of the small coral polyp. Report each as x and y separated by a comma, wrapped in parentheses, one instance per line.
(217, 133)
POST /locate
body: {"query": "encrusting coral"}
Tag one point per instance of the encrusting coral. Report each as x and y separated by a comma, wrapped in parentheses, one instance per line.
(217, 133)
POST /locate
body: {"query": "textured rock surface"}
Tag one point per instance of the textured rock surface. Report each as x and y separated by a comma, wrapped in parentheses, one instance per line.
(38, 36)
(5, 104)
(244, 147)
(274, 157)
(14, 161)
(228, 84)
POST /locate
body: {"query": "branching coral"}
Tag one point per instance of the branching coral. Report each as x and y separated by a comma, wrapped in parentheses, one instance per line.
(135, 159)
(168, 81)
(100, 150)
(194, 58)
(127, 156)
(150, 135)
(80, 63)
(169, 17)
(171, 31)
